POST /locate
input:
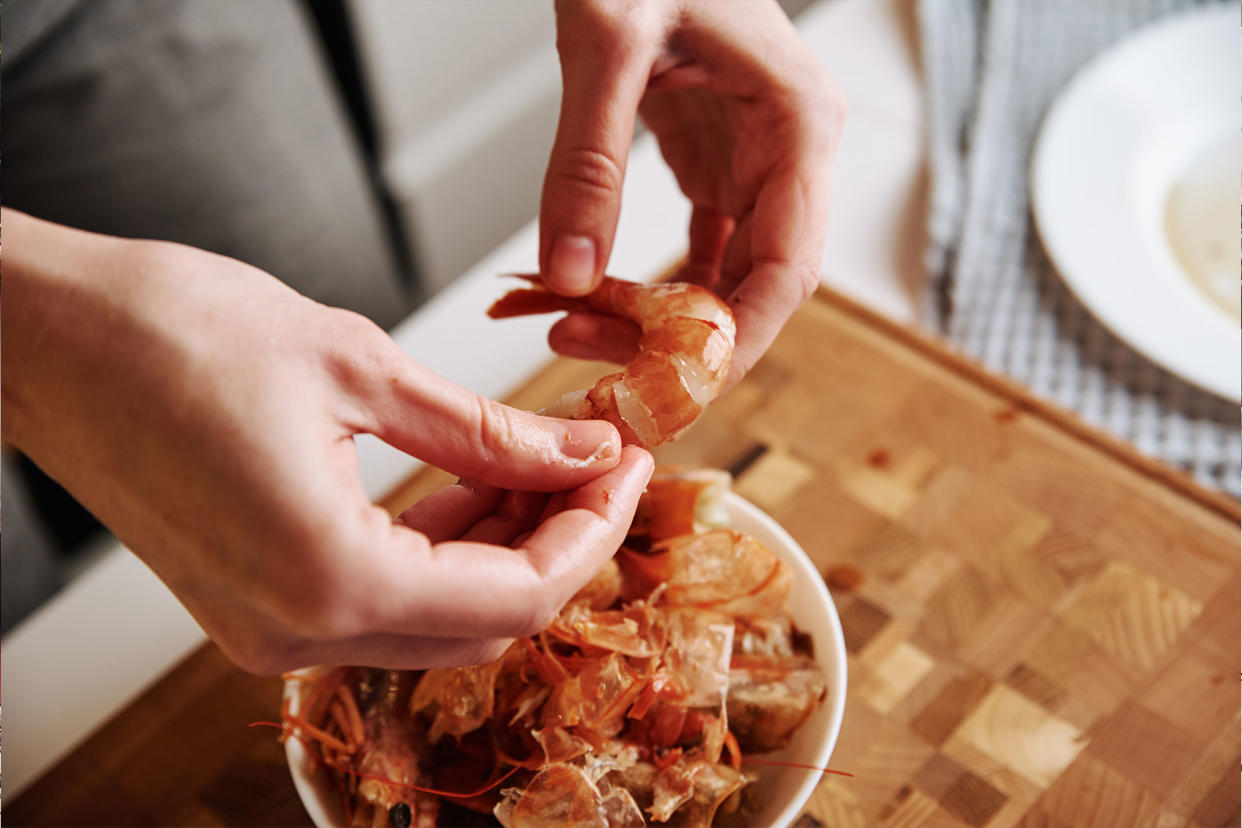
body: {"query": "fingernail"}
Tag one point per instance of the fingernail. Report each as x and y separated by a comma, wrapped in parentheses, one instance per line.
(571, 265)
(592, 441)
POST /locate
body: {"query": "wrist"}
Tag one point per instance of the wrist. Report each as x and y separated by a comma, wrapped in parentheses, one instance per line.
(54, 278)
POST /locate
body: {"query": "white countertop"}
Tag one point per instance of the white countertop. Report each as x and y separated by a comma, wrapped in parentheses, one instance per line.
(111, 633)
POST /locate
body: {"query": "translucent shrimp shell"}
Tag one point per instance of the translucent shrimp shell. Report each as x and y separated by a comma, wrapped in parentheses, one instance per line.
(683, 359)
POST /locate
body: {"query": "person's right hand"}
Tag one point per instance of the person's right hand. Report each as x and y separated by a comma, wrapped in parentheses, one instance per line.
(748, 121)
(206, 414)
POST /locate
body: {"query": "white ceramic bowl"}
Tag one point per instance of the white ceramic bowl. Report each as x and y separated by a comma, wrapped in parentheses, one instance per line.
(783, 790)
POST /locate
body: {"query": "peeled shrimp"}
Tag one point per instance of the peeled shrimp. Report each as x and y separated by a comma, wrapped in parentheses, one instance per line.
(683, 356)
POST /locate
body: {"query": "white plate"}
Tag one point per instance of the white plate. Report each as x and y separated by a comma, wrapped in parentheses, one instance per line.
(784, 790)
(1153, 116)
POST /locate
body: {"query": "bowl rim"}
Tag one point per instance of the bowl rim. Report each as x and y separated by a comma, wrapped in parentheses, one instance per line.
(830, 653)
(838, 677)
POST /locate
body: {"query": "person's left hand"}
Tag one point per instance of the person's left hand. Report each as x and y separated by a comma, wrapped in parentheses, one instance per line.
(206, 414)
(748, 121)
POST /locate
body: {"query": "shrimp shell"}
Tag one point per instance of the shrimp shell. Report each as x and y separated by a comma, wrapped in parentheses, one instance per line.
(683, 358)
(621, 711)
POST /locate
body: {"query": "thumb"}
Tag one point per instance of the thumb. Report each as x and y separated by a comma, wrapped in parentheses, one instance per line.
(446, 425)
(604, 71)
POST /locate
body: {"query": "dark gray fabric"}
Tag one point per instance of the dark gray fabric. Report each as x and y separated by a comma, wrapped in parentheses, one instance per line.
(27, 557)
(991, 68)
(209, 123)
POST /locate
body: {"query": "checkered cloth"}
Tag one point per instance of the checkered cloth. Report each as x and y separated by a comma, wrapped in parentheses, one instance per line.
(991, 68)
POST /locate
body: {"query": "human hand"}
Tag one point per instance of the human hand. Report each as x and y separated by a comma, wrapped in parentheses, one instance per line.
(206, 413)
(748, 121)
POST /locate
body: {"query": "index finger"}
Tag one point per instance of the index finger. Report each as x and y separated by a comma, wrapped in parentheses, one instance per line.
(462, 589)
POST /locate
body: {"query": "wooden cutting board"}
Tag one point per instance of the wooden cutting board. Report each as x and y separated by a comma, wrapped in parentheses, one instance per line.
(1043, 626)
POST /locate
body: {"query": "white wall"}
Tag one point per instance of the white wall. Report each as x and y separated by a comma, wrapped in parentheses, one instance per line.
(467, 94)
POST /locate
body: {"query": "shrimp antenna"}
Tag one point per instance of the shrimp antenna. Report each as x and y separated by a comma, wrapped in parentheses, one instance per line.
(777, 764)
(292, 731)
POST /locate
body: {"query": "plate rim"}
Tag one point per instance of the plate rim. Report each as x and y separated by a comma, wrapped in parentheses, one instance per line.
(1039, 163)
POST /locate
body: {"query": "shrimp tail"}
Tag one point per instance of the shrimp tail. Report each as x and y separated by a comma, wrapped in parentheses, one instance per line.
(528, 301)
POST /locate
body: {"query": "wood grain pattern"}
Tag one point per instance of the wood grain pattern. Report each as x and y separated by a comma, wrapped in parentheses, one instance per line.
(1042, 624)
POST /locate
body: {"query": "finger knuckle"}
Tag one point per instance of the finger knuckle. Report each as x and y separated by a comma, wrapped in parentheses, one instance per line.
(826, 106)
(836, 107)
(539, 614)
(360, 351)
(495, 431)
(806, 277)
(825, 92)
(611, 27)
(588, 171)
(356, 328)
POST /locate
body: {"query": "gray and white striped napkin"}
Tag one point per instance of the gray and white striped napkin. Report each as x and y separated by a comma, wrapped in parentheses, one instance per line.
(991, 68)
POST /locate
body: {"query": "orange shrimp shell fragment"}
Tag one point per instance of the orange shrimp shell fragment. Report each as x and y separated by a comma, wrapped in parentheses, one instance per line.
(684, 353)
